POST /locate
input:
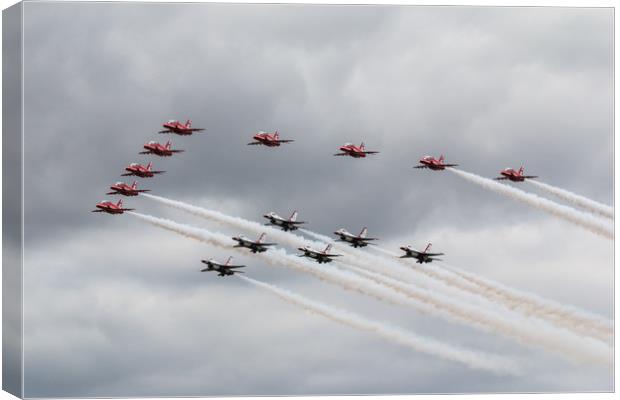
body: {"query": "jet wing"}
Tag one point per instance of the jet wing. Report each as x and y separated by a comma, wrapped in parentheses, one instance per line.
(449, 165)
(285, 141)
(265, 244)
(500, 178)
(420, 166)
(175, 151)
(371, 152)
(158, 172)
(433, 254)
(128, 209)
(235, 266)
(530, 176)
(340, 154)
(97, 210)
(194, 129)
(127, 174)
(254, 143)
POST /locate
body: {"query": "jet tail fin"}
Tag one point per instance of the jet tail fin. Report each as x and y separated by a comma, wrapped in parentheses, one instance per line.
(134, 185)
(149, 165)
(188, 123)
(362, 146)
(120, 203)
(293, 216)
(521, 170)
(261, 237)
(428, 247)
(228, 261)
(276, 135)
(364, 232)
(441, 158)
(328, 248)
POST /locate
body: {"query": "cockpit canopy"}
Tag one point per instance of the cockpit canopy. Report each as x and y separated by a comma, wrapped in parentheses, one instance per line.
(118, 183)
(152, 142)
(133, 164)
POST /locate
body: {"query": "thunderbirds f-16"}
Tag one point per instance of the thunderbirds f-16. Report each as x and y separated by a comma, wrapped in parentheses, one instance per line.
(420, 256)
(162, 150)
(141, 171)
(174, 126)
(257, 246)
(126, 190)
(355, 240)
(111, 208)
(225, 269)
(320, 256)
(434, 164)
(349, 149)
(268, 139)
(287, 224)
(514, 176)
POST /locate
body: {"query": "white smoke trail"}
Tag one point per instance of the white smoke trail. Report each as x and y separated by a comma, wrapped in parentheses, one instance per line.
(533, 332)
(579, 201)
(288, 238)
(474, 359)
(531, 304)
(567, 213)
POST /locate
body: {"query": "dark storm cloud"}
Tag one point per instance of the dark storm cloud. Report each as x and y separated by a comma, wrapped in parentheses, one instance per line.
(470, 82)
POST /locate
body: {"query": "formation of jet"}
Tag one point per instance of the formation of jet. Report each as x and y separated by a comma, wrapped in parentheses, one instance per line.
(514, 176)
(287, 224)
(351, 150)
(225, 269)
(360, 240)
(268, 139)
(256, 246)
(158, 149)
(421, 256)
(179, 128)
(111, 208)
(126, 190)
(135, 169)
(321, 257)
(435, 164)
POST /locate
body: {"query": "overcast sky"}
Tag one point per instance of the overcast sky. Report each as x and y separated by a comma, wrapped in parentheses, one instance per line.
(116, 307)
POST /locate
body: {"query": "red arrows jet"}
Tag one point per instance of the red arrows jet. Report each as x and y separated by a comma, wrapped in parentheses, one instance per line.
(431, 162)
(174, 126)
(141, 171)
(512, 175)
(111, 208)
(162, 150)
(268, 139)
(125, 189)
(349, 149)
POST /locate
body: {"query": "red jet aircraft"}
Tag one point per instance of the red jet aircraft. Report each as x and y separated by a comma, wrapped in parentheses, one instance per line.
(111, 208)
(515, 176)
(431, 162)
(349, 149)
(162, 150)
(174, 126)
(141, 171)
(126, 190)
(269, 139)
